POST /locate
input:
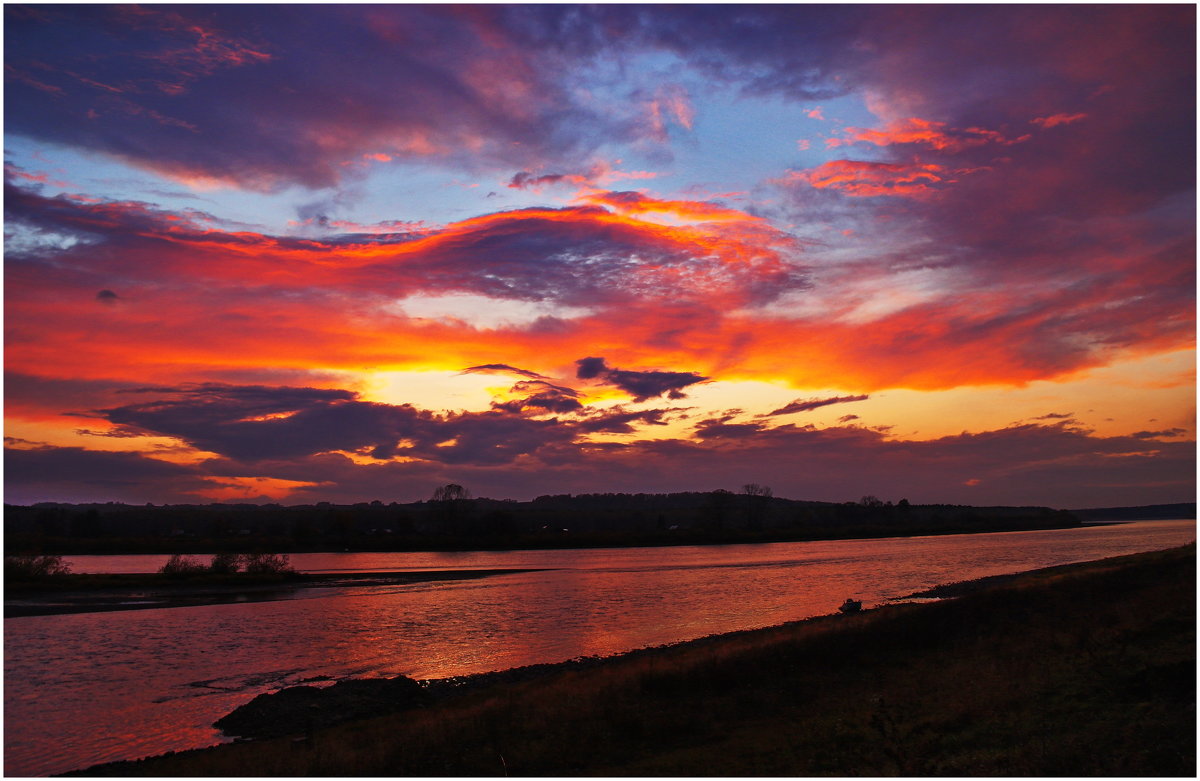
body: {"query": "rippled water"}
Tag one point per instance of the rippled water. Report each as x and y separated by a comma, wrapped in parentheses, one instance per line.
(94, 687)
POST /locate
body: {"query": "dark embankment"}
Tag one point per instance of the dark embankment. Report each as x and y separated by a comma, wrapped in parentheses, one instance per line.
(1148, 512)
(1078, 671)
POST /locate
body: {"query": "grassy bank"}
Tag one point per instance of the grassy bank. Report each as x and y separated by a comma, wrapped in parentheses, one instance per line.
(1080, 671)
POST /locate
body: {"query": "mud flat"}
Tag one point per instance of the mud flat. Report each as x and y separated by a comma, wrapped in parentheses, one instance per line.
(101, 593)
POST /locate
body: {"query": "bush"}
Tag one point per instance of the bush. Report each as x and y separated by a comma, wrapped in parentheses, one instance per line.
(267, 564)
(181, 566)
(225, 563)
(32, 566)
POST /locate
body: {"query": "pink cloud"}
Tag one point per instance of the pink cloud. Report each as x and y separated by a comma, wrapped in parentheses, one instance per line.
(925, 132)
(860, 178)
(670, 104)
(1054, 120)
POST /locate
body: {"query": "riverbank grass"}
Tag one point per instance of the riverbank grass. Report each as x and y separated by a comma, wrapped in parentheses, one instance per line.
(1081, 671)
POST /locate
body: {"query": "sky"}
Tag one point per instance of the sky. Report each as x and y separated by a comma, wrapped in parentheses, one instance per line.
(265, 253)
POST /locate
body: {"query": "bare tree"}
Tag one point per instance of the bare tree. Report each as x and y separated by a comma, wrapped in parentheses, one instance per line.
(754, 489)
(452, 492)
(451, 505)
(757, 499)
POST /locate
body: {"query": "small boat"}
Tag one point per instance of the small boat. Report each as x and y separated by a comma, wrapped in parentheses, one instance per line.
(850, 606)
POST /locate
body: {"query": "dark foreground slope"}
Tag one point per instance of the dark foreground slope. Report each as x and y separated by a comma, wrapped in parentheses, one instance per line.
(1081, 671)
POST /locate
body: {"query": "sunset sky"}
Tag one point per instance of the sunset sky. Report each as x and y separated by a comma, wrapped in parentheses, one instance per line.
(343, 253)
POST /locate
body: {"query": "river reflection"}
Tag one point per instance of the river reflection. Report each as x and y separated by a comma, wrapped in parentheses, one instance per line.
(93, 687)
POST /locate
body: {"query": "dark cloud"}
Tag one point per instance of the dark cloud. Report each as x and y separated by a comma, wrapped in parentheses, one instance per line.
(502, 368)
(1058, 465)
(1056, 416)
(72, 474)
(253, 423)
(619, 421)
(1171, 432)
(640, 385)
(26, 392)
(107, 297)
(116, 432)
(847, 418)
(590, 368)
(523, 180)
(721, 428)
(804, 405)
(541, 397)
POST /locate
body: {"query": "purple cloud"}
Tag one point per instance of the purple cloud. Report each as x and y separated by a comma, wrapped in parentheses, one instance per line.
(640, 385)
(1056, 465)
(542, 397)
(501, 368)
(804, 405)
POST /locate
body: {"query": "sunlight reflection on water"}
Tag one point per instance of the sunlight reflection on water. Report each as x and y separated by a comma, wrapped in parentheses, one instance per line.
(93, 687)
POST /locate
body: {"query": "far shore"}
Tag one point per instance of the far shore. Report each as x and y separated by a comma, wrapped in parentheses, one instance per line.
(93, 593)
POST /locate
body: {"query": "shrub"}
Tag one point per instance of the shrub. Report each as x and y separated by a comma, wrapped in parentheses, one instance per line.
(181, 566)
(32, 566)
(267, 563)
(225, 563)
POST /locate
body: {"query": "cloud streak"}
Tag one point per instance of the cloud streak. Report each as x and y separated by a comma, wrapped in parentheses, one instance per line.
(806, 405)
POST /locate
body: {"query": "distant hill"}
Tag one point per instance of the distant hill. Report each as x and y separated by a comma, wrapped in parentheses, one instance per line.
(1148, 512)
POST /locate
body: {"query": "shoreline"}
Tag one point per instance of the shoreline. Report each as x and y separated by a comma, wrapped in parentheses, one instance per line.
(873, 651)
(107, 593)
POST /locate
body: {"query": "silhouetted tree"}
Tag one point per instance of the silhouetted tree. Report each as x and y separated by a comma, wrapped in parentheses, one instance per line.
(179, 566)
(757, 499)
(452, 492)
(29, 566)
(267, 563)
(225, 563)
(451, 505)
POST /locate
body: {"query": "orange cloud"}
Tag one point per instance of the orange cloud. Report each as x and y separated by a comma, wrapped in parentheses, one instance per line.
(930, 133)
(201, 301)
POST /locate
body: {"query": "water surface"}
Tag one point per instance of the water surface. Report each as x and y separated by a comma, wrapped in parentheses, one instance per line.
(94, 687)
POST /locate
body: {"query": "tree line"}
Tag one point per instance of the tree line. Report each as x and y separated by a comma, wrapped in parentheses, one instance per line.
(453, 517)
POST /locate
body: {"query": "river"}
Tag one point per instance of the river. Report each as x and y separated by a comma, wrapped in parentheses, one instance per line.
(93, 687)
